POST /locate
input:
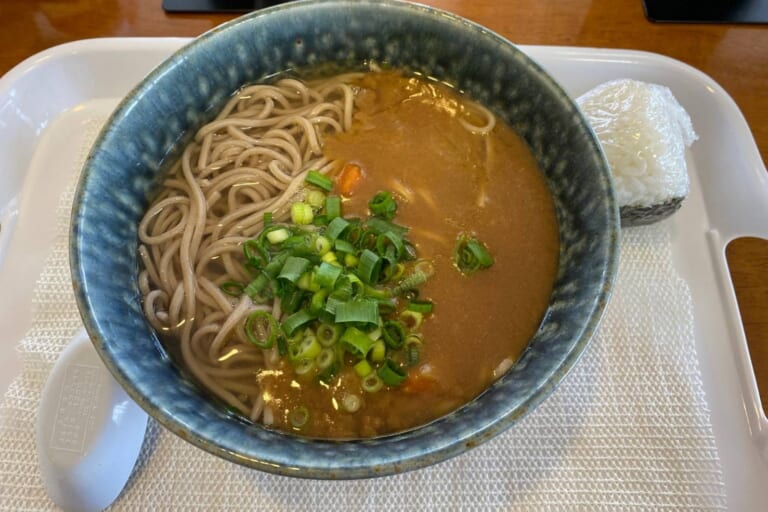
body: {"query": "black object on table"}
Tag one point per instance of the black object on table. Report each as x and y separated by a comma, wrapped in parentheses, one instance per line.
(707, 11)
(218, 5)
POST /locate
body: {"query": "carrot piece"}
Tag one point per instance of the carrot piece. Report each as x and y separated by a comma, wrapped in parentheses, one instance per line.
(418, 383)
(349, 179)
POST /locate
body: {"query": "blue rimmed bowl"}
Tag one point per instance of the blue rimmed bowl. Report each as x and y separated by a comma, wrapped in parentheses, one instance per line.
(163, 112)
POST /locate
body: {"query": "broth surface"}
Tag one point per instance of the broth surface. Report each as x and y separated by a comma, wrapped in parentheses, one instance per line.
(408, 138)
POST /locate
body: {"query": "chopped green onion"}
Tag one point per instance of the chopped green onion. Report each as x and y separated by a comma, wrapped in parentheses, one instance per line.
(304, 367)
(412, 349)
(336, 227)
(421, 306)
(329, 372)
(363, 368)
(282, 346)
(292, 297)
(389, 244)
(359, 311)
(344, 246)
(255, 287)
(372, 383)
(308, 348)
(356, 342)
(329, 257)
(273, 267)
(293, 268)
(351, 403)
(369, 267)
(391, 374)
(295, 321)
(232, 288)
(255, 253)
(315, 198)
(419, 275)
(267, 219)
(298, 417)
(411, 319)
(332, 207)
(317, 302)
(327, 274)
(301, 213)
(322, 245)
(470, 255)
(393, 333)
(305, 281)
(261, 329)
(380, 226)
(350, 260)
(319, 180)
(278, 236)
(325, 358)
(412, 355)
(320, 220)
(383, 205)
(378, 351)
(328, 334)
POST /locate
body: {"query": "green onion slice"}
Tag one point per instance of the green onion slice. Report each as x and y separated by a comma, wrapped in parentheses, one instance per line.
(282, 346)
(470, 255)
(380, 226)
(327, 274)
(255, 287)
(411, 319)
(351, 403)
(393, 333)
(363, 368)
(293, 268)
(424, 307)
(308, 348)
(362, 311)
(391, 374)
(328, 334)
(315, 198)
(378, 351)
(261, 329)
(255, 253)
(317, 302)
(319, 180)
(369, 267)
(344, 246)
(301, 213)
(232, 288)
(325, 358)
(372, 383)
(328, 373)
(412, 354)
(298, 417)
(332, 207)
(336, 227)
(356, 342)
(390, 244)
(383, 205)
(295, 321)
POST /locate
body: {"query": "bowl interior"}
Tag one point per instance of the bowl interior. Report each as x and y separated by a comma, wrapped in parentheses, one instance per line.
(155, 121)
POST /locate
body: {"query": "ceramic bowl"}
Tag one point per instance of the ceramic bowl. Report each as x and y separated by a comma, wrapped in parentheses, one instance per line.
(160, 115)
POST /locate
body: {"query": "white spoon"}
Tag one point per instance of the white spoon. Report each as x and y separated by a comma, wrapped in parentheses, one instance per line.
(89, 432)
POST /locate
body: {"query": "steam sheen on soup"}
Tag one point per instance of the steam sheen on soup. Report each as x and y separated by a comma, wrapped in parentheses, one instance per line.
(274, 215)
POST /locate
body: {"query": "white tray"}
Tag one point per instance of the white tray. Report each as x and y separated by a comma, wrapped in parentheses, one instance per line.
(46, 102)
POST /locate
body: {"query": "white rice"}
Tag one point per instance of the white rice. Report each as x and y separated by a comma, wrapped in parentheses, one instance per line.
(644, 132)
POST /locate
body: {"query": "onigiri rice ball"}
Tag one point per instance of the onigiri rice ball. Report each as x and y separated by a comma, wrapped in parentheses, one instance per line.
(644, 133)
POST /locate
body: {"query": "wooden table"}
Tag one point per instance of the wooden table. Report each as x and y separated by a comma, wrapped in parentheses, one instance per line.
(736, 56)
